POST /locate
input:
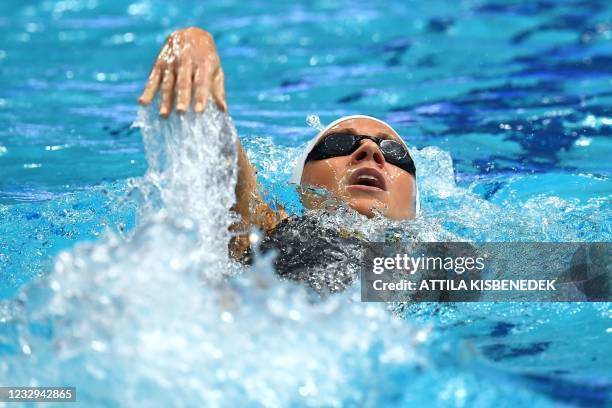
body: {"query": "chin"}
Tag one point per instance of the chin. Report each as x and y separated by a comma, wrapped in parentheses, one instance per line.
(366, 206)
(369, 208)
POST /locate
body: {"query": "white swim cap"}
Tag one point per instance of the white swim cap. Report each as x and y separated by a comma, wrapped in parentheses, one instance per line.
(296, 176)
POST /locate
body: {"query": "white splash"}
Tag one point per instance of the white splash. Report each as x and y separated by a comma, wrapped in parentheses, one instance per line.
(191, 178)
(150, 320)
(154, 320)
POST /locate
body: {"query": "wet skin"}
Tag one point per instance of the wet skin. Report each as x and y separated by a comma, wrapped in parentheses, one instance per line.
(188, 70)
(187, 65)
(363, 179)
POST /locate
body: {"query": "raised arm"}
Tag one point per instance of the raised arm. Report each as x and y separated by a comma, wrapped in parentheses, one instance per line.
(189, 65)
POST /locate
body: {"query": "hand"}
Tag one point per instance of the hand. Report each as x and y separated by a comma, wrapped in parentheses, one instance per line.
(188, 61)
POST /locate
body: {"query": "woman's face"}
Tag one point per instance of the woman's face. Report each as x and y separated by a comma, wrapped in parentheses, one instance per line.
(363, 179)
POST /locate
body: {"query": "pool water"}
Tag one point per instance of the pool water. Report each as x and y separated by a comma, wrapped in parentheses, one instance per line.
(113, 271)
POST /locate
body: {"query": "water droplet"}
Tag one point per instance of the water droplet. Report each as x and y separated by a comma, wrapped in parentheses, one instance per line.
(315, 122)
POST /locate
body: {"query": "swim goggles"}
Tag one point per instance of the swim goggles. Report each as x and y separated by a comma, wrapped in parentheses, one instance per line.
(343, 144)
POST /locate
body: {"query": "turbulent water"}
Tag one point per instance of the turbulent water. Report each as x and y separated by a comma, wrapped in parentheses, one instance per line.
(505, 105)
(152, 317)
(147, 318)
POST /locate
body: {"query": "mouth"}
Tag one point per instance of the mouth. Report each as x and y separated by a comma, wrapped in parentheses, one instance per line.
(367, 179)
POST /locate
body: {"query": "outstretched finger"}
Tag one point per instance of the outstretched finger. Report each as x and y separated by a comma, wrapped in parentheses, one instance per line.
(152, 85)
(219, 90)
(183, 87)
(167, 93)
(202, 81)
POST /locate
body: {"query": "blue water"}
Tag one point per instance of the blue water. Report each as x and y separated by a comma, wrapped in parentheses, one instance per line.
(507, 102)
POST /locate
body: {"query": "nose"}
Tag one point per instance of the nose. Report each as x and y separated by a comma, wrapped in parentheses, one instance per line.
(368, 150)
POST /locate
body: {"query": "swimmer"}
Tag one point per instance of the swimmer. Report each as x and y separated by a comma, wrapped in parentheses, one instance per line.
(359, 160)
